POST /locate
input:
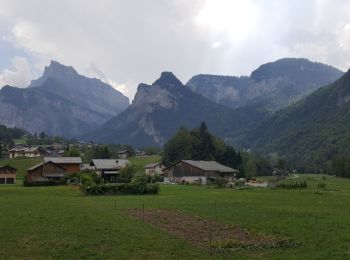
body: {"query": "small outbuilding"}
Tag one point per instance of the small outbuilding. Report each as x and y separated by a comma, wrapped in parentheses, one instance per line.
(124, 154)
(109, 169)
(154, 168)
(7, 174)
(198, 172)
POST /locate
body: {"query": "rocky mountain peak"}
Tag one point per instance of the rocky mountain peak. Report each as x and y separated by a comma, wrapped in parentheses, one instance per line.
(168, 79)
(56, 67)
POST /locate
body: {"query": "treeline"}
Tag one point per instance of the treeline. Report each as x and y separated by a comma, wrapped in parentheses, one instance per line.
(8, 135)
(200, 144)
(339, 166)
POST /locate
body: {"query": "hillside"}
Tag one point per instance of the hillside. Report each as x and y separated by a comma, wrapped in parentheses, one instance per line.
(272, 86)
(61, 102)
(310, 132)
(158, 110)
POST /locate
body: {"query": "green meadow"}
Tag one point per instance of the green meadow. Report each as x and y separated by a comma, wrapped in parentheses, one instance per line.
(61, 223)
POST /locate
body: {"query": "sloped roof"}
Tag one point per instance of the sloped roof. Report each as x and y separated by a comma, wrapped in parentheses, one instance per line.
(24, 149)
(63, 159)
(102, 164)
(210, 166)
(41, 164)
(151, 165)
(7, 166)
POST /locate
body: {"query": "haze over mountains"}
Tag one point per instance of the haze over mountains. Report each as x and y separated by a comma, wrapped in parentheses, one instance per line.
(61, 102)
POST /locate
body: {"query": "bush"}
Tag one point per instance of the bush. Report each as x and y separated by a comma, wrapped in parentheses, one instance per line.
(139, 185)
(292, 185)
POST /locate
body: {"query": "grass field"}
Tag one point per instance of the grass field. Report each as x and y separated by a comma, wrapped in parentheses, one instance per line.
(59, 222)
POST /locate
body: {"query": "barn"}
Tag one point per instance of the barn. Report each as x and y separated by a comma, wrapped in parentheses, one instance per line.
(201, 172)
(45, 172)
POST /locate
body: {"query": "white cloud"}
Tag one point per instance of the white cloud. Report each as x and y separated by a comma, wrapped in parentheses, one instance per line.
(18, 76)
(133, 41)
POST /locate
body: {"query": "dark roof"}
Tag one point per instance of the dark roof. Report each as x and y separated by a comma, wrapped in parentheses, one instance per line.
(109, 164)
(210, 166)
(41, 164)
(151, 165)
(8, 166)
(123, 151)
(66, 160)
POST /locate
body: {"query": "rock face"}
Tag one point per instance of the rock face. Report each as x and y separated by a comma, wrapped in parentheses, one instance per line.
(310, 132)
(272, 86)
(86, 92)
(61, 102)
(159, 110)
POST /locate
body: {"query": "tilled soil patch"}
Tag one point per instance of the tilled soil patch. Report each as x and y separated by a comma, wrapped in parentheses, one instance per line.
(206, 233)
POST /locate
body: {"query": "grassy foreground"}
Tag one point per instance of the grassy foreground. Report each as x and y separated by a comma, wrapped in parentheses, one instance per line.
(59, 222)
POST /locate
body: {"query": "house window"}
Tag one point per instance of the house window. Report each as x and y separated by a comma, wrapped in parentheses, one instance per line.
(2, 180)
(10, 180)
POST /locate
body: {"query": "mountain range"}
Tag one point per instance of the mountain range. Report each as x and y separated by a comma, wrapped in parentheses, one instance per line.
(61, 102)
(311, 131)
(158, 110)
(289, 107)
(272, 86)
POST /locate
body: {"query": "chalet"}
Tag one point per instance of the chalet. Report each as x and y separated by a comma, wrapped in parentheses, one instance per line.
(197, 172)
(140, 153)
(154, 168)
(45, 172)
(70, 164)
(109, 169)
(25, 152)
(7, 174)
(124, 154)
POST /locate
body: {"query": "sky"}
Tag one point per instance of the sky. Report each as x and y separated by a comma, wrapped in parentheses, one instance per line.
(126, 42)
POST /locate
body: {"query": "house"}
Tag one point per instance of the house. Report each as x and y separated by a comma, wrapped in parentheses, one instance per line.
(154, 168)
(140, 153)
(124, 154)
(45, 172)
(197, 172)
(70, 164)
(7, 174)
(25, 152)
(109, 169)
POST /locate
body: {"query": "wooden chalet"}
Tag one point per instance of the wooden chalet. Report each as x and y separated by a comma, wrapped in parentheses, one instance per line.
(124, 154)
(25, 152)
(45, 172)
(7, 174)
(70, 164)
(198, 172)
(109, 169)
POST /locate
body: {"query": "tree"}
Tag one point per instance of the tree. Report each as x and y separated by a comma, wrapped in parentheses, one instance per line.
(179, 147)
(42, 135)
(72, 151)
(128, 172)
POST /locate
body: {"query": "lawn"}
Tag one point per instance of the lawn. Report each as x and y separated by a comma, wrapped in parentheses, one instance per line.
(59, 222)
(140, 162)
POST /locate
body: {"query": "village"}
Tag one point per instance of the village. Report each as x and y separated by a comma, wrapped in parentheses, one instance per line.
(54, 169)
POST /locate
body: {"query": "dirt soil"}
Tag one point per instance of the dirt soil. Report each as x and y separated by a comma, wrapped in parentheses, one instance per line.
(198, 230)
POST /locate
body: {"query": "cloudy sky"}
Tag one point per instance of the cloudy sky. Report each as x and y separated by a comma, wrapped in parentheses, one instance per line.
(125, 42)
